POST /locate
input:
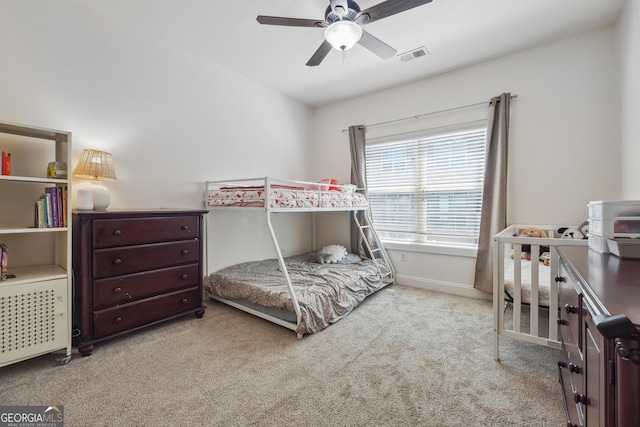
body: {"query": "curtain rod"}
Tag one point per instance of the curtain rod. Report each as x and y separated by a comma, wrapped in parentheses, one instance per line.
(514, 96)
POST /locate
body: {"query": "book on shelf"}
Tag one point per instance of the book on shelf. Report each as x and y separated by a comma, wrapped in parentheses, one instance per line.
(64, 197)
(6, 163)
(39, 222)
(50, 209)
(52, 197)
(47, 203)
(43, 219)
(4, 257)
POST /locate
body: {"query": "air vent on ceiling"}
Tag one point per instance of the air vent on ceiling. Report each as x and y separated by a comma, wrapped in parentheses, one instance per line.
(413, 54)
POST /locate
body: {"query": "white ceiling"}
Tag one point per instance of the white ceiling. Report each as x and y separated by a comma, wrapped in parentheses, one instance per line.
(455, 32)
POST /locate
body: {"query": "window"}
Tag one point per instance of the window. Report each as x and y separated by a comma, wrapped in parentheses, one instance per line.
(428, 188)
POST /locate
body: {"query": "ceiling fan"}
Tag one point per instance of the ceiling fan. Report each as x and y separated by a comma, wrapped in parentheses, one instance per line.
(343, 22)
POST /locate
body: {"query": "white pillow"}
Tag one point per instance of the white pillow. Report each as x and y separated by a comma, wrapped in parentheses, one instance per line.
(335, 252)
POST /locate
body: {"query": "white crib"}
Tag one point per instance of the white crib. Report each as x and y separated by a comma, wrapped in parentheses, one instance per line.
(527, 287)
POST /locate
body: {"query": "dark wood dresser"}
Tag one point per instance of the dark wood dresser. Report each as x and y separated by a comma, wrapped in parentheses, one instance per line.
(600, 330)
(132, 269)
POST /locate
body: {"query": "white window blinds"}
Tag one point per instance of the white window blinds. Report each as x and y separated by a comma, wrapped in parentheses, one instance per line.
(428, 188)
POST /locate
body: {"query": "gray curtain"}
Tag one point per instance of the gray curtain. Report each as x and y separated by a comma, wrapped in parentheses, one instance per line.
(359, 179)
(494, 196)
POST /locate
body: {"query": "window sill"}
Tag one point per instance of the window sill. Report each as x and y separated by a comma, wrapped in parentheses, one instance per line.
(461, 251)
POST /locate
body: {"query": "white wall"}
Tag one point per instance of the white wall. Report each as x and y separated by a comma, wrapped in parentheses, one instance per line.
(564, 148)
(629, 44)
(173, 121)
(170, 120)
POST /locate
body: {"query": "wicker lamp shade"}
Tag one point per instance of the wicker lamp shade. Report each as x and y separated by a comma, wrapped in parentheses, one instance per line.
(95, 164)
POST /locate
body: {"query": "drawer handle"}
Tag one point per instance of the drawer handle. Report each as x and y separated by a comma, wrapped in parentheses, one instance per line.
(575, 368)
(581, 398)
(560, 279)
(570, 309)
(562, 322)
(184, 276)
(628, 354)
(117, 261)
(117, 232)
(184, 252)
(185, 228)
(185, 300)
(117, 320)
(117, 290)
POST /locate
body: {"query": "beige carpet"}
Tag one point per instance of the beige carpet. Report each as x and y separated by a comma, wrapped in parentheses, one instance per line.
(406, 357)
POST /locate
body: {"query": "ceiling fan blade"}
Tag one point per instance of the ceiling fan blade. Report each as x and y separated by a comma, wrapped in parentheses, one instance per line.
(376, 46)
(320, 54)
(290, 22)
(388, 8)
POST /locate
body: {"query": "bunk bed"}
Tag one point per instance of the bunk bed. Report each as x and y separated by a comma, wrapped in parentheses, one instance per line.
(302, 293)
(527, 286)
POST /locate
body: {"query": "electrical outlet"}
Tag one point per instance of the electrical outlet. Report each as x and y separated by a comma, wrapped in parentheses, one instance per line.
(403, 256)
(282, 251)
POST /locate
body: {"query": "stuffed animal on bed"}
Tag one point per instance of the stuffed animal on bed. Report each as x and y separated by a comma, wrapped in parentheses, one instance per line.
(333, 253)
(526, 249)
(574, 233)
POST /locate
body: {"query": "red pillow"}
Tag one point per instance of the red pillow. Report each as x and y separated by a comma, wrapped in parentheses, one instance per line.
(332, 183)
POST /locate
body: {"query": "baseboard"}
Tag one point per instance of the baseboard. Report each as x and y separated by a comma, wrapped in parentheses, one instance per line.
(445, 287)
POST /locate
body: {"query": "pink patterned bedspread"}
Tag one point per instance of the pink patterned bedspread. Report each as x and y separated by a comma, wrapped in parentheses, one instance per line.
(285, 197)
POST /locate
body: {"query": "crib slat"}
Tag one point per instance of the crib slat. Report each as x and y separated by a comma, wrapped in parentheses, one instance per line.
(517, 288)
(534, 303)
(553, 294)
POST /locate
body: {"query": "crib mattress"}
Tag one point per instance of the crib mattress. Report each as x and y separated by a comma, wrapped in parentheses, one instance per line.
(544, 280)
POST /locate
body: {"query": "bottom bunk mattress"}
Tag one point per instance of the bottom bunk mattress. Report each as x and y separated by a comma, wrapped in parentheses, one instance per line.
(325, 292)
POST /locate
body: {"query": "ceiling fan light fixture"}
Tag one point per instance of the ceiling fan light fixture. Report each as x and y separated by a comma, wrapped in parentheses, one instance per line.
(343, 35)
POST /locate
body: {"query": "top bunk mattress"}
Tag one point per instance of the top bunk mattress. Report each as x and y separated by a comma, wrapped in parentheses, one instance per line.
(284, 195)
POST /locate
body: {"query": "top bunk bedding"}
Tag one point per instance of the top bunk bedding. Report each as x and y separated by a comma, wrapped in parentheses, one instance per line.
(276, 194)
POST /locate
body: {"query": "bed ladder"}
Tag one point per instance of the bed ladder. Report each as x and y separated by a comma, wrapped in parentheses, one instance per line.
(383, 257)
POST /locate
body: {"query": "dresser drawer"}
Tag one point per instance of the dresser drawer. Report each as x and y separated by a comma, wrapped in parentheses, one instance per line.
(568, 392)
(133, 287)
(132, 259)
(129, 316)
(570, 307)
(108, 233)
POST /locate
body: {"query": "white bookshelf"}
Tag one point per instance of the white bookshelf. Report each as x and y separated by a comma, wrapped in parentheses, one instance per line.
(39, 259)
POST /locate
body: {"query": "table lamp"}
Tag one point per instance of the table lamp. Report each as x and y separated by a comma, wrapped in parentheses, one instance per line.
(96, 165)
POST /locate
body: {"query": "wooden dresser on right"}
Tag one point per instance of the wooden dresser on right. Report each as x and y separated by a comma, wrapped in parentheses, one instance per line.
(600, 330)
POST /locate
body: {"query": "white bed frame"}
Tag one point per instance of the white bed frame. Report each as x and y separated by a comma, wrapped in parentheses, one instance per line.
(378, 252)
(503, 243)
